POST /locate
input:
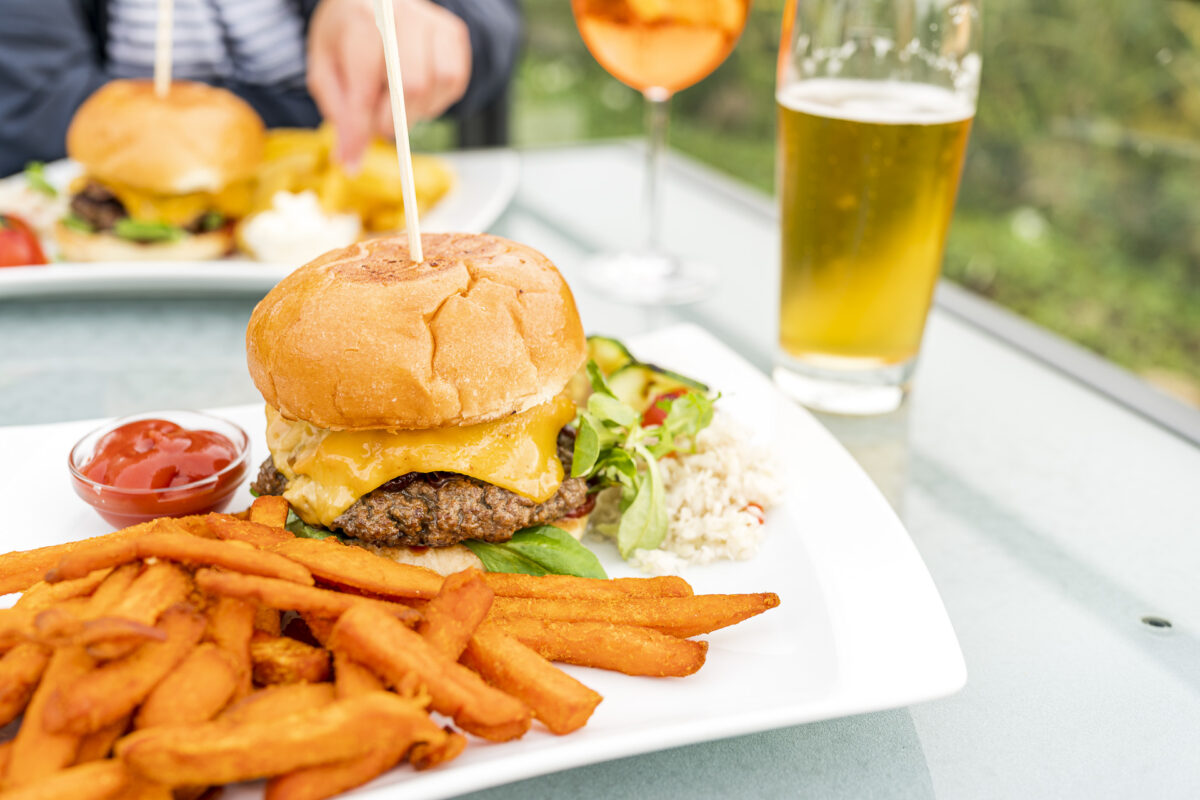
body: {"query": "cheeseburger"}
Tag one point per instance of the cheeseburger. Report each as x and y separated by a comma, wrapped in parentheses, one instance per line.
(164, 177)
(413, 406)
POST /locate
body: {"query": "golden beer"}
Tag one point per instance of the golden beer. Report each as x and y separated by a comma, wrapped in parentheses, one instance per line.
(868, 172)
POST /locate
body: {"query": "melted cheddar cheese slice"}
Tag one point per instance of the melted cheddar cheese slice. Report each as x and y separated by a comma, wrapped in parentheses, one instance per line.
(178, 209)
(328, 471)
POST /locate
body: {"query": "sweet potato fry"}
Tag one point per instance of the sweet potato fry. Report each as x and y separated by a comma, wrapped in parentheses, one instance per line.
(20, 670)
(401, 656)
(270, 510)
(181, 547)
(157, 588)
(5, 755)
(97, 780)
(351, 678)
(267, 620)
(230, 626)
(23, 568)
(109, 637)
(278, 659)
(327, 780)
(220, 752)
(621, 648)
(106, 694)
(289, 596)
(560, 702)
(426, 755)
(321, 628)
(677, 616)
(194, 691)
(17, 625)
(249, 531)
(453, 615)
(343, 565)
(140, 602)
(42, 595)
(278, 701)
(506, 584)
(37, 752)
(99, 744)
(112, 589)
(141, 789)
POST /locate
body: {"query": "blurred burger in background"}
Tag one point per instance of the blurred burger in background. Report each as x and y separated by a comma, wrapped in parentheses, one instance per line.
(165, 178)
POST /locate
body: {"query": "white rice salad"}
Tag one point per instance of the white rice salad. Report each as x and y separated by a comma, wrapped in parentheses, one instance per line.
(715, 496)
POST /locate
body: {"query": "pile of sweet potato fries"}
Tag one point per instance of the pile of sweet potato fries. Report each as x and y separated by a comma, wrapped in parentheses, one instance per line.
(181, 654)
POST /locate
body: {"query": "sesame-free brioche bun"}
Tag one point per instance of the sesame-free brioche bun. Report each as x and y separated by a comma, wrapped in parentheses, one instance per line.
(196, 139)
(364, 338)
(79, 246)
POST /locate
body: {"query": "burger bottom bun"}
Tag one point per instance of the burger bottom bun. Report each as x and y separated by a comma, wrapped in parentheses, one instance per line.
(455, 558)
(79, 246)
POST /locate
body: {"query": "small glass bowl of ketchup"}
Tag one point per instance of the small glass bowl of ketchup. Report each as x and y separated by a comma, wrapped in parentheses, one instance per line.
(164, 464)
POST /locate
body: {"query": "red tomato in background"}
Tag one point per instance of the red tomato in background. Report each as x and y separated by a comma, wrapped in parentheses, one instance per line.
(655, 415)
(19, 245)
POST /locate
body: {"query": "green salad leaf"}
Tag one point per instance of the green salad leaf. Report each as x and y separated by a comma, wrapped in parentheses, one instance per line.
(77, 223)
(142, 231)
(305, 531)
(211, 221)
(540, 550)
(35, 173)
(615, 447)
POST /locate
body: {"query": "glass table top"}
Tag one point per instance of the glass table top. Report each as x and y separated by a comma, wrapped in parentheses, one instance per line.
(1052, 519)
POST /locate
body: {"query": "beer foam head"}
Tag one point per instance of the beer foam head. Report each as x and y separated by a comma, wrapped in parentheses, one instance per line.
(880, 102)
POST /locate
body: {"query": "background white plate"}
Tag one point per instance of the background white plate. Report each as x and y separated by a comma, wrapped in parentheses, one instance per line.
(485, 181)
(860, 627)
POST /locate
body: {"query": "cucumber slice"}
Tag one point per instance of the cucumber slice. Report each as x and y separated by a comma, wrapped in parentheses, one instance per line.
(609, 354)
(639, 384)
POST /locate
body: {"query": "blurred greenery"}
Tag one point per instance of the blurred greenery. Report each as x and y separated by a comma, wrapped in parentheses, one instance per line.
(1080, 201)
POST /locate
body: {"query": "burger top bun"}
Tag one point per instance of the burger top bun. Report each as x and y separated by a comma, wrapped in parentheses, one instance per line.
(196, 139)
(363, 338)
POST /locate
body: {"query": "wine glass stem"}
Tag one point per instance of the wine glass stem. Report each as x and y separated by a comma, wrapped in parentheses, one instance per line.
(657, 108)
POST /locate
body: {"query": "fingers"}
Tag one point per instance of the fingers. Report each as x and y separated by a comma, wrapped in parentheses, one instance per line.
(435, 52)
(348, 79)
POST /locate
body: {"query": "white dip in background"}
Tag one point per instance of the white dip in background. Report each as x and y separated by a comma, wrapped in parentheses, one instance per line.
(295, 230)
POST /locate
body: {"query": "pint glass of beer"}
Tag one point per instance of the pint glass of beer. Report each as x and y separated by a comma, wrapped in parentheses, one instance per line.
(875, 102)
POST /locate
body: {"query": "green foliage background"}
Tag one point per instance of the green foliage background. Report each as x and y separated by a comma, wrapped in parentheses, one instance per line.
(1080, 201)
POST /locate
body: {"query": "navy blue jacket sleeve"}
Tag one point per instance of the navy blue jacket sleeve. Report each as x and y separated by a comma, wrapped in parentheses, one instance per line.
(49, 64)
(495, 28)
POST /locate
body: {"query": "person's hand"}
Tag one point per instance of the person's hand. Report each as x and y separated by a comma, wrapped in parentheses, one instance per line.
(348, 80)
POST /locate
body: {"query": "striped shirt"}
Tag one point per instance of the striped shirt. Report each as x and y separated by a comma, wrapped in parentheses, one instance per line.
(259, 42)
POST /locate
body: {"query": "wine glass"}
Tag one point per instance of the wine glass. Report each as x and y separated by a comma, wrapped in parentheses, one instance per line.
(657, 47)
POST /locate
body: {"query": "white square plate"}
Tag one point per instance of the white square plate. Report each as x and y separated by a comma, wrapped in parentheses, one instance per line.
(860, 627)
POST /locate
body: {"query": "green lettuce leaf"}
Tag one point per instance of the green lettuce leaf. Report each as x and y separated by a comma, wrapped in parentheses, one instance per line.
(540, 550)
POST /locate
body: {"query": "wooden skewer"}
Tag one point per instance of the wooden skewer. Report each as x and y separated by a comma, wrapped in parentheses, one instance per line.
(162, 47)
(385, 18)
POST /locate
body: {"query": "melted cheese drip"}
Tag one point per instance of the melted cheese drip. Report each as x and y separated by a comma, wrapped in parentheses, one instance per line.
(179, 209)
(328, 471)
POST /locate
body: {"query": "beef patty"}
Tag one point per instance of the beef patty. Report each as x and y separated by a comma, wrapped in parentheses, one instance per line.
(97, 206)
(100, 208)
(438, 509)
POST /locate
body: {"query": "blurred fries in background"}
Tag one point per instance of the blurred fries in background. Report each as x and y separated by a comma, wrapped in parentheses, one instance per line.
(298, 160)
(169, 657)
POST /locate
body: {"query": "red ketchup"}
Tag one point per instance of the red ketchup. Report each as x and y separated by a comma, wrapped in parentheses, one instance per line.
(151, 468)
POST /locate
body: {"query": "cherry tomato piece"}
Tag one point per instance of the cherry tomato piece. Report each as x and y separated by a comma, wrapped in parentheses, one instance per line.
(655, 415)
(19, 245)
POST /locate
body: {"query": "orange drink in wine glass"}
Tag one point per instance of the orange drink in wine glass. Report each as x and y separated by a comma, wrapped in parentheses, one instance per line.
(657, 47)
